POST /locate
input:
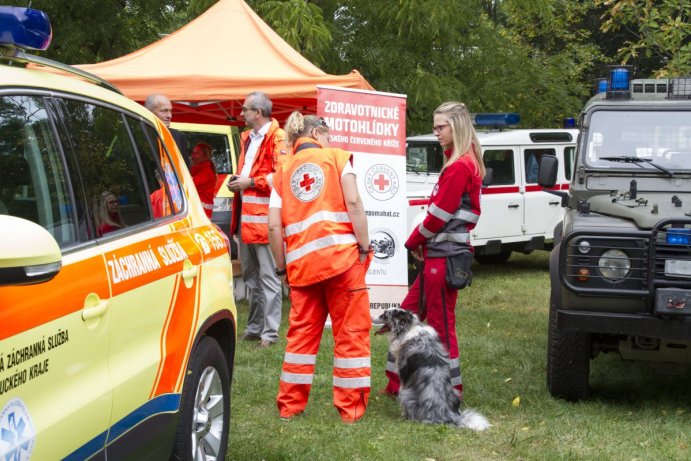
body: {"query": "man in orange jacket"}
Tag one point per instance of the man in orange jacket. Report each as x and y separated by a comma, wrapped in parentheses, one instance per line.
(263, 148)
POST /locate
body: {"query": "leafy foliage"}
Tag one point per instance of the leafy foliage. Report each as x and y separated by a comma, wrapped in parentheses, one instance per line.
(661, 30)
(536, 57)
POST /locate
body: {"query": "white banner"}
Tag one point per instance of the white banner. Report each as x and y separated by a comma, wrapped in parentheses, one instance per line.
(371, 125)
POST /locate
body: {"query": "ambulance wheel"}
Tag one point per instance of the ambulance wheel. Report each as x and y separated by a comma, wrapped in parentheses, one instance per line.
(496, 258)
(204, 419)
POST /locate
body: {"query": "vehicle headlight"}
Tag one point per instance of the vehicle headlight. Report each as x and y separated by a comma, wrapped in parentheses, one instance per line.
(614, 265)
(222, 203)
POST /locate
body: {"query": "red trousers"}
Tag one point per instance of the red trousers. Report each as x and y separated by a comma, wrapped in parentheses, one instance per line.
(440, 301)
(345, 298)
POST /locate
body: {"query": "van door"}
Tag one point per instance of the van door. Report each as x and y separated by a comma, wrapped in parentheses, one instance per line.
(55, 389)
(502, 201)
(542, 210)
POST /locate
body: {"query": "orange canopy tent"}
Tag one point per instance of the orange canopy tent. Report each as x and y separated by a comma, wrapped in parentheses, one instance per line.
(208, 67)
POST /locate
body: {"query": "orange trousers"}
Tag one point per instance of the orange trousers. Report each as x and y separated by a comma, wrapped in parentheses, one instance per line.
(344, 297)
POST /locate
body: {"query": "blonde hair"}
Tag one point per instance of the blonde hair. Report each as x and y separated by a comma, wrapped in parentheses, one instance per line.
(463, 134)
(102, 215)
(298, 126)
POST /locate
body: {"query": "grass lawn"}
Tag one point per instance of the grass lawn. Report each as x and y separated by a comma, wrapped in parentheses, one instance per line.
(637, 411)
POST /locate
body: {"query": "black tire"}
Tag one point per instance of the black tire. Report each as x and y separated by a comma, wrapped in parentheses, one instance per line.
(496, 258)
(206, 387)
(568, 361)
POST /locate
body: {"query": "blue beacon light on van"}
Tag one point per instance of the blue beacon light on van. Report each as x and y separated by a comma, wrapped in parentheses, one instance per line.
(496, 119)
(24, 28)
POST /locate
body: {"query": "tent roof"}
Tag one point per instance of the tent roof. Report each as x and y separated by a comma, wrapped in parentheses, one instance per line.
(208, 67)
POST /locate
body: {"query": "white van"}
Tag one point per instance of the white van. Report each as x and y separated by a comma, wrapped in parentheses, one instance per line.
(517, 215)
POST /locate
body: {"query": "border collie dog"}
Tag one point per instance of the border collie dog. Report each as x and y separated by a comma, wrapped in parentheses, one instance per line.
(426, 393)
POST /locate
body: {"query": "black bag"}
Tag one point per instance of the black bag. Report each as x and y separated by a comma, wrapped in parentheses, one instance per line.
(458, 273)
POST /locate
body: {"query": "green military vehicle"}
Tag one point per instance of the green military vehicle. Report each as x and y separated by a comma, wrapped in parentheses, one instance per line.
(621, 266)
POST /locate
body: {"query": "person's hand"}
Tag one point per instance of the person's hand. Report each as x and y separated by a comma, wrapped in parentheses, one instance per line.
(239, 184)
(417, 253)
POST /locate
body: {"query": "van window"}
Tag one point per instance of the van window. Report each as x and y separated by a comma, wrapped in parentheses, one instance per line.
(153, 157)
(110, 173)
(532, 162)
(33, 179)
(220, 149)
(569, 157)
(424, 157)
(502, 163)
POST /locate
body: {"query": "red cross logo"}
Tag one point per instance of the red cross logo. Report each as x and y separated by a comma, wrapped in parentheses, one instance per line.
(381, 182)
(307, 182)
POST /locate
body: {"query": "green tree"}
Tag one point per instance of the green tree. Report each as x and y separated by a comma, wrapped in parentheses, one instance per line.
(660, 29)
(93, 31)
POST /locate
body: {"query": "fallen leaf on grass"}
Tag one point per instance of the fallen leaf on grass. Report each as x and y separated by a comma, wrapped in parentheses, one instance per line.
(516, 402)
(507, 380)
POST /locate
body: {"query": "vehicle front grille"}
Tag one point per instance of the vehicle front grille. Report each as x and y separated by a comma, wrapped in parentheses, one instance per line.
(671, 251)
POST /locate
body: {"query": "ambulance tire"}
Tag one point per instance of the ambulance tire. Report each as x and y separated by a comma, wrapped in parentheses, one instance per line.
(204, 419)
(496, 258)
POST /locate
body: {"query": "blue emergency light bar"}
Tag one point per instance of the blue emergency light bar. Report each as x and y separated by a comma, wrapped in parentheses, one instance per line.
(678, 236)
(24, 28)
(496, 119)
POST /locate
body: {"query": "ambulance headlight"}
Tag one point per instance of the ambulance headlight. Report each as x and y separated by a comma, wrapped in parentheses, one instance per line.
(614, 265)
(24, 28)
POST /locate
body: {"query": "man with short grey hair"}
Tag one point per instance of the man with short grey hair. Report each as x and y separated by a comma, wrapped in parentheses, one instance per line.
(162, 108)
(262, 149)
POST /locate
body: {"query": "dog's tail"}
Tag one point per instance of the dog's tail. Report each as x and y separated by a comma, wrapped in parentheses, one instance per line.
(471, 419)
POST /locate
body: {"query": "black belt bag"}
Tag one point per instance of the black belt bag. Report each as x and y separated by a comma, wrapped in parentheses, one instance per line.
(458, 273)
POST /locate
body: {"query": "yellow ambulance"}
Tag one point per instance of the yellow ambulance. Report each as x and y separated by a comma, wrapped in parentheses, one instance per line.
(117, 320)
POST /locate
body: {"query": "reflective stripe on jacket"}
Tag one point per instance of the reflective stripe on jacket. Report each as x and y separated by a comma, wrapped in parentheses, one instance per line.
(453, 212)
(320, 240)
(251, 207)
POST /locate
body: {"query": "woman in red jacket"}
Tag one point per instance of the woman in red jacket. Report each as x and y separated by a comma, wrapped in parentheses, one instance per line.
(453, 212)
(204, 175)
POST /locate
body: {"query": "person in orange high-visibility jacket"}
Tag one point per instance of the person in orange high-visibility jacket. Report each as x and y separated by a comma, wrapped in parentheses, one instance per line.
(318, 235)
(204, 175)
(263, 148)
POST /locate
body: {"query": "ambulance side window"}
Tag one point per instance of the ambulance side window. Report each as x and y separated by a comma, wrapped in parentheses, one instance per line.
(33, 178)
(569, 157)
(110, 173)
(220, 149)
(424, 157)
(532, 162)
(151, 151)
(502, 163)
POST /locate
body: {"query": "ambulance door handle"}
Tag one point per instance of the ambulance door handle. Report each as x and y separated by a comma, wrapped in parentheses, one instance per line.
(94, 307)
(554, 203)
(514, 205)
(189, 271)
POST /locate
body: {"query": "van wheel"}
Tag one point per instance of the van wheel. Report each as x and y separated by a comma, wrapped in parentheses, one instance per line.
(568, 361)
(496, 258)
(204, 418)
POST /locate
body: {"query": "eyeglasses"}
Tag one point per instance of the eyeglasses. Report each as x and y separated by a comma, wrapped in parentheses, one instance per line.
(437, 128)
